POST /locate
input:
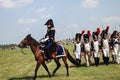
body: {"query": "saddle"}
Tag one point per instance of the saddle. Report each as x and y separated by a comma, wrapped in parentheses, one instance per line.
(51, 52)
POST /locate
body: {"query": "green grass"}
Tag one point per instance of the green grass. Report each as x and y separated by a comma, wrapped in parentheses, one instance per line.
(17, 66)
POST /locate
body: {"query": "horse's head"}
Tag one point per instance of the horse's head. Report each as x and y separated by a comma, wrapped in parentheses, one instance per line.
(25, 42)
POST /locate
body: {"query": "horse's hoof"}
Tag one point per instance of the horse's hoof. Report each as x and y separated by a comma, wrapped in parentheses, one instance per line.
(67, 75)
(50, 76)
(34, 78)
(53, 74)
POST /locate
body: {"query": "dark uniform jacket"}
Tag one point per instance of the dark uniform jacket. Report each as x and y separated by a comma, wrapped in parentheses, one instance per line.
(50, 34)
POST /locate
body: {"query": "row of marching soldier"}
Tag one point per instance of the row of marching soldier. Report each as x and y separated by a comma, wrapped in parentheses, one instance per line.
(99, 42)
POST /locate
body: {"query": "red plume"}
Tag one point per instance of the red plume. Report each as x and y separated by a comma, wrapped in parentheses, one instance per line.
(88, 32)
(82, 32)
(98, 30)
(107, 28)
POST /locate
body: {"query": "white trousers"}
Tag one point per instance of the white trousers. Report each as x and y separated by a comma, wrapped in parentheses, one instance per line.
(106, 52)
(87, 59)
(77, 54)
(116, 53)
(96, 53)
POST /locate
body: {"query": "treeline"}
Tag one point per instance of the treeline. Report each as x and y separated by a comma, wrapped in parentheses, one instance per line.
(8, 46)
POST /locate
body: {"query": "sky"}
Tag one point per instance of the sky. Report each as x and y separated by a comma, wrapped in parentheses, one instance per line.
(18, 18)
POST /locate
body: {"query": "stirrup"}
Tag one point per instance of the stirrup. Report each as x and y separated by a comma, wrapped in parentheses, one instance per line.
(42, 51)
(48, 61)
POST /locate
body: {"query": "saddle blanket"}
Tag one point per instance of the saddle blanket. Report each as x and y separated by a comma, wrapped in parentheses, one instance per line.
(60, 51)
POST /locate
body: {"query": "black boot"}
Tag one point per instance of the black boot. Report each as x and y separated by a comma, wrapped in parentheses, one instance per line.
(47, 53)
(98, 59)
(78, 61)
(95, 59)
(104, 59)
(107, 60)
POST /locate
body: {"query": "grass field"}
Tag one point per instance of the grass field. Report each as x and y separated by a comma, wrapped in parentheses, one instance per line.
(17, 66)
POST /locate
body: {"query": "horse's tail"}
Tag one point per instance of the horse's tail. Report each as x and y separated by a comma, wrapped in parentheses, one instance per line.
(72, 60)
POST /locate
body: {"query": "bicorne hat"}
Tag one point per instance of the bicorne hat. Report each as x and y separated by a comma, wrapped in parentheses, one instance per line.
(50, 22)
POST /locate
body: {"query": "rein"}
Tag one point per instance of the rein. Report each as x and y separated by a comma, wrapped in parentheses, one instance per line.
(23, 51)
(34, 44)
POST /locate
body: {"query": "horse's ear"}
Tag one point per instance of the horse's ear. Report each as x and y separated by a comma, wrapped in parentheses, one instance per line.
(29, 35)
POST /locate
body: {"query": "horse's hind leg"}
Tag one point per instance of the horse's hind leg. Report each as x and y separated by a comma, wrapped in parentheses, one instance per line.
(66, 64)
(46, 68)
(58, 65)
(36, 69)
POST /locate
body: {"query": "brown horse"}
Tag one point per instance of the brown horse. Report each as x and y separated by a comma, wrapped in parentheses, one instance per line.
(39, 56)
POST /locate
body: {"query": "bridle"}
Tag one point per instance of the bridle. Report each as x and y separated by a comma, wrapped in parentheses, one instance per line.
(24, 45)
(23, 51)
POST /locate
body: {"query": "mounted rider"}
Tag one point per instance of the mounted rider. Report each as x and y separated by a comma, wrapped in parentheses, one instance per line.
(49, 39)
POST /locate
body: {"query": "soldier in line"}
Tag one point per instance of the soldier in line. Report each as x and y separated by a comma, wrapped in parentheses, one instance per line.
(115, 45)
(105, 45)
(77, 46)
(95, 46)
(87, 48)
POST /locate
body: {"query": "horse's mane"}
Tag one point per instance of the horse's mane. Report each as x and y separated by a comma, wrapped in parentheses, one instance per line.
(35, 42)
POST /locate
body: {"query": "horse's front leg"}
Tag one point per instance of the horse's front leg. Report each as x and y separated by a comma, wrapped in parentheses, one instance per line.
(46, 68)
(58, 65)
(36, 69)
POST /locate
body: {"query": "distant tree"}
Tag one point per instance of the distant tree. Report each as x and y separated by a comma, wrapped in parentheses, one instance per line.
(6, 46)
